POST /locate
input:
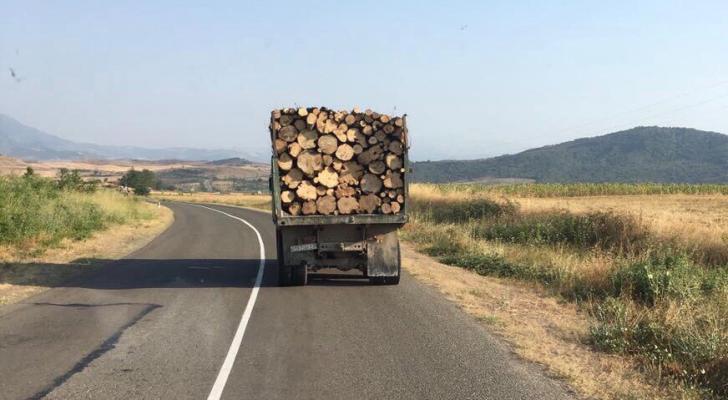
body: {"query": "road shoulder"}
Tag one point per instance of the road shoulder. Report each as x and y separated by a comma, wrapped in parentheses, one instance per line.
(538, 327)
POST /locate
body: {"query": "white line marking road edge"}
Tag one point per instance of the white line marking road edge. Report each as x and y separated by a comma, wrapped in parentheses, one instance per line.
(232, 353)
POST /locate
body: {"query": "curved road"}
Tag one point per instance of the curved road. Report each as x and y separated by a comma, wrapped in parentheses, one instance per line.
(160, 323)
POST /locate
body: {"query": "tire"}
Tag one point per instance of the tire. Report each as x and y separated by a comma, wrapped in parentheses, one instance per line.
(299, 275)
(284, 271)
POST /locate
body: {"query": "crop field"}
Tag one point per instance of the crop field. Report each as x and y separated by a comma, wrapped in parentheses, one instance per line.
(648, 263)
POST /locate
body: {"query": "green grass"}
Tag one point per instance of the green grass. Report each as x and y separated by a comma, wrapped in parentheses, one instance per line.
(35, 213)
(582, 189)
(649, 297)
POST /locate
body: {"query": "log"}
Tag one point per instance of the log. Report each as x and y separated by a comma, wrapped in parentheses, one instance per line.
(288, 133)
(299, 124)
(347, 205)
(321, 122)
(309, 162)
(307, 139)
(294, 208)
(393, 180)
(351, 167)
(344, 191)
(377, 167)
(311, 120)
(293, 178)
(285, 162)
(280, 145)
(396, 147)
(330, 126)
(326, 204)
(393, 161)
(327, 159)
(294, 149)
(309, 207)
(386, 208)
(302, 111)
(328, 144)
(357, 149)
(395, 206)
(321, 190)
(306, 191)
(285, 120)
(328, 177)
(369, 203)
(344, 152)
(350, 119)
(370, 183)
(351, 135)
(287, 196)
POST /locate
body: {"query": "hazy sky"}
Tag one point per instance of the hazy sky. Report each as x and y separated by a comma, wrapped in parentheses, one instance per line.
(501, 76)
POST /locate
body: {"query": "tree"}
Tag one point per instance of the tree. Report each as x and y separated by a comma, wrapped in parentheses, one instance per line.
(141, 181)
(29, 172)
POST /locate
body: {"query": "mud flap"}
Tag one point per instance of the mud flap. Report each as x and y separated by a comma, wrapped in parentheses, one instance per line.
(383, 255)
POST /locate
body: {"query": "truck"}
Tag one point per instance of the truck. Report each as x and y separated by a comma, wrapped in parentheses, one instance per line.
(357, 245)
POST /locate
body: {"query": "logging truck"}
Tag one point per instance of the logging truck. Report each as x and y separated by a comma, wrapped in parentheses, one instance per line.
(339, 188)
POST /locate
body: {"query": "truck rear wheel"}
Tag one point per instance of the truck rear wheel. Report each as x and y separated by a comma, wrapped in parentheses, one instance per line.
(284, 271)
(299, 275)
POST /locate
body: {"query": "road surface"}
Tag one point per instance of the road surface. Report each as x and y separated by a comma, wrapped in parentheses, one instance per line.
(161, 323)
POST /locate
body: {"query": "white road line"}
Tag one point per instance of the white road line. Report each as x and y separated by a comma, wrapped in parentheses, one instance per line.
(232, 353)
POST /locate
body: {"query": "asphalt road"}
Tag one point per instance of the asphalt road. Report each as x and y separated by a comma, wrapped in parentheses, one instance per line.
(160, 323)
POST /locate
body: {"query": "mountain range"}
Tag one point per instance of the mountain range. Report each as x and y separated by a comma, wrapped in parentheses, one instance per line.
(641, 154)
(21, 141)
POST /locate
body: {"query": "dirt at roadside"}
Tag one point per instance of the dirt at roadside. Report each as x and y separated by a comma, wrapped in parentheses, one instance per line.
(539, 327)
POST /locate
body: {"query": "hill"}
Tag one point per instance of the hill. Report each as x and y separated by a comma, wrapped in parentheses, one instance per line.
(231, 162)
(21, 141)
(642, 154)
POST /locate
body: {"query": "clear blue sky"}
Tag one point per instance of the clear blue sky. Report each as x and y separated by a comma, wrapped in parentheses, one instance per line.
(502, 75)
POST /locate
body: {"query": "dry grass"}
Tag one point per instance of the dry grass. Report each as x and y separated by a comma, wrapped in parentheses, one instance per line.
(696, 222)
(648, 272)
(259, 201)
(22, 275)
(540, 328)
(693, 220)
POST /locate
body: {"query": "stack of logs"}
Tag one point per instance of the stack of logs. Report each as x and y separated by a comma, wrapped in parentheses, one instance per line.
(339, 162)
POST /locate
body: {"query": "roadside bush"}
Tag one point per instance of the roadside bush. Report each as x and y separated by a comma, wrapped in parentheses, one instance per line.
(667, 276)
(446, 211)
(35, 212)
(608, 231)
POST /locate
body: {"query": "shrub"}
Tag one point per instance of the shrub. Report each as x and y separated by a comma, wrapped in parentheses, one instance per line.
(446, 211)
(608, 231)
(668, 276)
(36, 211)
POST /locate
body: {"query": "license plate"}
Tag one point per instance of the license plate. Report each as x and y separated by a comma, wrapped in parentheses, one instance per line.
(303, 247)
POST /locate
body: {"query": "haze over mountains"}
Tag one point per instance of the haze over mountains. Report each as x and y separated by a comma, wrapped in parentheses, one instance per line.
(642, 154)
(21, 141)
